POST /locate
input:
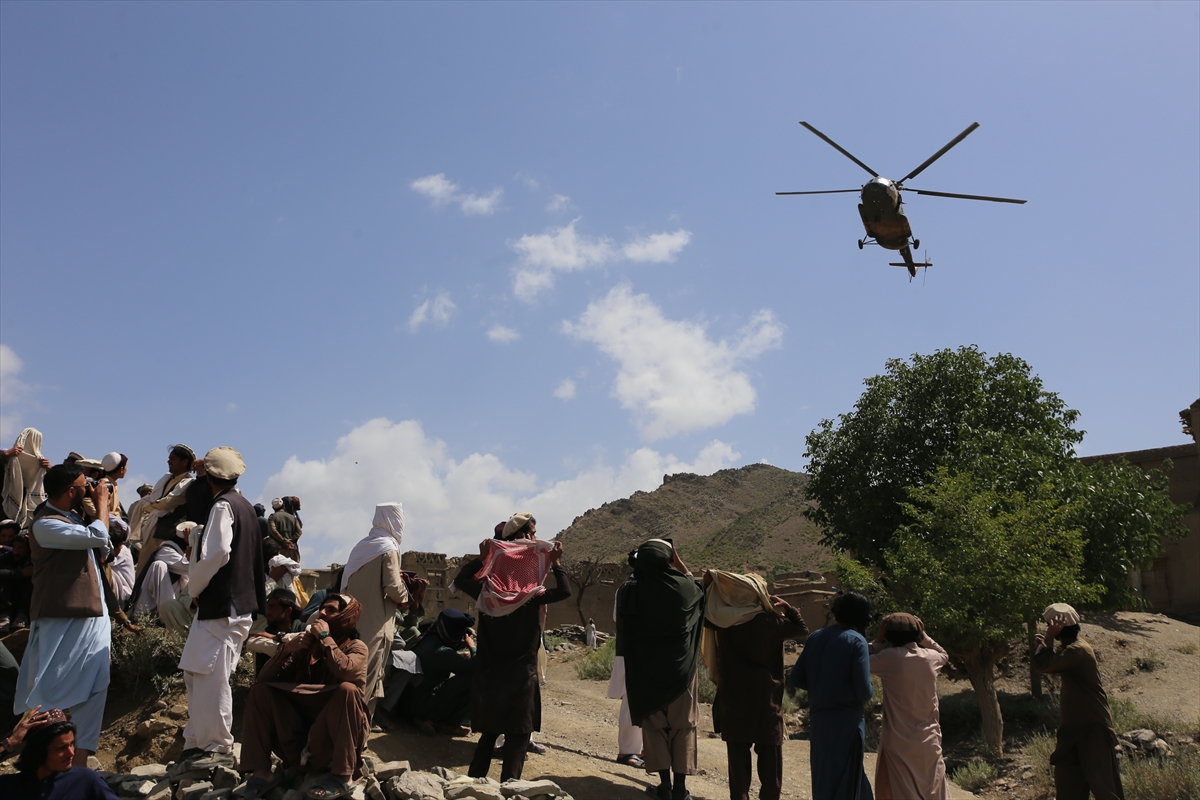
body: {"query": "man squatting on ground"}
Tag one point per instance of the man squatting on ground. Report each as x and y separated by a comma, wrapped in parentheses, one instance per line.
(1085, 756)
(226, 581)
(66, 662)
(311, 692)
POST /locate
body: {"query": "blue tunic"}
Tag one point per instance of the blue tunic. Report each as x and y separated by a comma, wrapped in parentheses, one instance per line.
(835, 668)
(67, 658)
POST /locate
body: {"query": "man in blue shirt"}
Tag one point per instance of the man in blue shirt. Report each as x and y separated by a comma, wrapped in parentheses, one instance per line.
(67, 659)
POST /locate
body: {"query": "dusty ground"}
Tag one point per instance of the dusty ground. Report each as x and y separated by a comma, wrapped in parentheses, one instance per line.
(579, 728)
(579, 722)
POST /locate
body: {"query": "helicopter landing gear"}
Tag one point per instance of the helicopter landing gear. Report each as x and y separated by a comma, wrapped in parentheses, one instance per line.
(916, 244)
(860, 244)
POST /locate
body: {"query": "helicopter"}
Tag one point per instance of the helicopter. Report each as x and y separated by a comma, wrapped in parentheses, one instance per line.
(882, 208)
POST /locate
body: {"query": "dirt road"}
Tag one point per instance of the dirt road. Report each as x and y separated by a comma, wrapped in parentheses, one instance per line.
(579, 728)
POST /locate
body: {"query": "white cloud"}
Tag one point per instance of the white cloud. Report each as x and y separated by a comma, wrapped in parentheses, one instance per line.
(542, 255)
(438, 311)
(481, 205)
(657, 247)
(669, 372)
(560, 202)
(442, 191)
(436, 187)
(499, 333)
(449, 504)
(12, 390)
(565, 390)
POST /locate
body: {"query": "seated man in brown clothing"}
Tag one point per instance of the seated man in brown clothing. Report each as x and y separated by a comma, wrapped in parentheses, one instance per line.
(310, 692)
(1084, 759)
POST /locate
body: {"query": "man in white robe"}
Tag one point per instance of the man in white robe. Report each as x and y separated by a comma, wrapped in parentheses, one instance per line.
(225, 578)
(165, 576)
(24, 468)
(164, 500)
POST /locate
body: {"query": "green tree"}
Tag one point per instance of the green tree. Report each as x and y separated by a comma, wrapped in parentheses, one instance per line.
(975, 564)
(1126, 514)
(945, 409)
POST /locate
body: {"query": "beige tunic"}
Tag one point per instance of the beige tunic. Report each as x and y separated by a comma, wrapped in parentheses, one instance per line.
(910, 765)
(379, 587)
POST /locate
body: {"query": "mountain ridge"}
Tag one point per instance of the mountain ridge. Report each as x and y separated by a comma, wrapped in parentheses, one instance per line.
(748, 519)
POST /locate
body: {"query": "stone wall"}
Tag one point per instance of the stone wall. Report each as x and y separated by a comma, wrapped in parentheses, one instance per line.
(1171, 582)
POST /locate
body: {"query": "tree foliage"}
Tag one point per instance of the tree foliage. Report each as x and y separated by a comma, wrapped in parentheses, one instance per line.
(975, 564)
(960, 410)
(944, 409)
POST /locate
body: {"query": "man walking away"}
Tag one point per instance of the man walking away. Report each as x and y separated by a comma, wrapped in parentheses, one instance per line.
(745, 629)
(67, 659)
(910, 763)
(226, 580)
(835, 668)
(1085, 757)
(660, 619)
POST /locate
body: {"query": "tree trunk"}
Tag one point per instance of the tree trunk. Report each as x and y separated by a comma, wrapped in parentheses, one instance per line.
(579, 605)
(981, 670)
(1035, 678)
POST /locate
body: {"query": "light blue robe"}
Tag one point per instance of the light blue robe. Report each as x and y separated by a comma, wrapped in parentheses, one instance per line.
(67, 659)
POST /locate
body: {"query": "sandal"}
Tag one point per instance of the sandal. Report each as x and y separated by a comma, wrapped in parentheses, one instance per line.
(537, 749)
(631, 760)
(330, 787)
(257, 788)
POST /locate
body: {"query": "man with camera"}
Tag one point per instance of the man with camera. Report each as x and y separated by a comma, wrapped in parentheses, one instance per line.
(67, 659)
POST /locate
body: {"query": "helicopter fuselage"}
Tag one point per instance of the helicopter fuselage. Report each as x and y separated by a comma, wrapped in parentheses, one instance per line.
(882, 213)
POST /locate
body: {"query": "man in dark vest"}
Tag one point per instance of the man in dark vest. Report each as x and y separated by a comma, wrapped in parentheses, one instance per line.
(225, 580)
(67, 659)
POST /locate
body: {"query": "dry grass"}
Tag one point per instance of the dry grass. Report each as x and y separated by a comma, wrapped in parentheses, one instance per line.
(975, 776)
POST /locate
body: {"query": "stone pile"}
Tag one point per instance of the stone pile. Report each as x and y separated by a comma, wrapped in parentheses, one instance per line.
(577, 633)
(1145, 743)
(392, 780)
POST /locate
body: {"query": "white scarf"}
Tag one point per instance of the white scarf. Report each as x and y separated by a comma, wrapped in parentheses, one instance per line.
(387, 529)
(23, 476)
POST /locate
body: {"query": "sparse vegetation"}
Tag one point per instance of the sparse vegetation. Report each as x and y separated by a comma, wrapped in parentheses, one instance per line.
(1162, 779)
(1148, 661)
(706, 690)
(974, 776)
(1187, 649)
(597, 665)
(149, 658)
(553, 641)
(794, 700)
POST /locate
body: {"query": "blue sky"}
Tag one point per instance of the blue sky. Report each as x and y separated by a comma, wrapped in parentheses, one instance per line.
(482, 257)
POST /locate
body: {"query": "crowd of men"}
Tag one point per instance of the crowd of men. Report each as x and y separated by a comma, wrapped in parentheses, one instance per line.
(192, 554)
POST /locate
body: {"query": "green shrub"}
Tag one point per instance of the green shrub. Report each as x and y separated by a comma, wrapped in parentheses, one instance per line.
(1162, 779)
(794, 700)
(974, 776)
(597, 665)
(149, 657)
(1148, 661)
(706, 690)
(554, 641)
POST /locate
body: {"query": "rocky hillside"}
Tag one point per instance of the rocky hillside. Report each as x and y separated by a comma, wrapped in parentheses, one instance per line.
(746, 519)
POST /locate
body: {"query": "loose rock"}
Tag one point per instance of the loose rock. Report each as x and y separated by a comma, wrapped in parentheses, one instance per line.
(542, 788)
(155, 772)
(391, 769)
(416, 786)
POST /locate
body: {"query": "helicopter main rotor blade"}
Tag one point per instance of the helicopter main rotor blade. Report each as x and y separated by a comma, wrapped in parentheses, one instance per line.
(939, 153)
(964, 196)
(840, 149)
(827, 191)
